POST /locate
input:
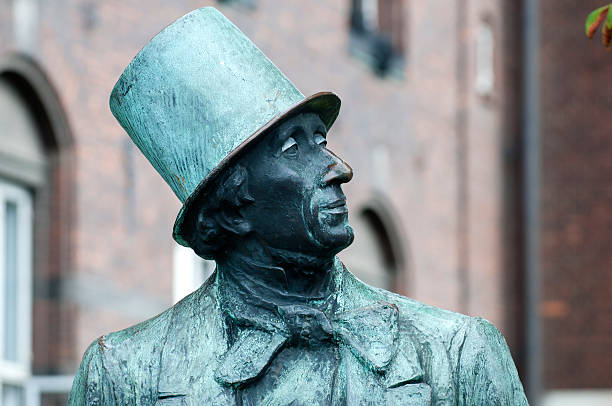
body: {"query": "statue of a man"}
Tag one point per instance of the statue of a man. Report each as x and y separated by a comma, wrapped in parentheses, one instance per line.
(281, 321)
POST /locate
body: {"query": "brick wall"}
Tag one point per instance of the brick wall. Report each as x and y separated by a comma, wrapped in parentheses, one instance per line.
(576, 206)
(447, 200)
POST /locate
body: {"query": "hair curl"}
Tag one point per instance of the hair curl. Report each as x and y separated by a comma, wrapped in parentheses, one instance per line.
(228, 195)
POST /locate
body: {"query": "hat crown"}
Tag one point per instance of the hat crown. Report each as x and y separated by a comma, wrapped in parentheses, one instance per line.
(194, 93)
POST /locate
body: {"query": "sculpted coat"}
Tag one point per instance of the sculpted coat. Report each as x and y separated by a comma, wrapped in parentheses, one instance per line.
(193, 354)
(281, 321)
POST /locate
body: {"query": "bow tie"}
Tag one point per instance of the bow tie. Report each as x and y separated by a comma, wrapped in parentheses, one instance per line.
(370, 332)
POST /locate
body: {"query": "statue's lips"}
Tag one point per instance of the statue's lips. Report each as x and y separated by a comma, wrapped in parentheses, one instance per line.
(335, 207)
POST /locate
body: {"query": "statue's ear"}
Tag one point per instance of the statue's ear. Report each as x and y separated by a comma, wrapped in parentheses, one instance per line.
(233, 221)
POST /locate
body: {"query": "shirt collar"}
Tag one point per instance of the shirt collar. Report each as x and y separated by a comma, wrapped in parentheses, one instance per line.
(249, 300)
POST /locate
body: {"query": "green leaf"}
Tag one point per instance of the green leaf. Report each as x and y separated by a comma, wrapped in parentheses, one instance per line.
(595, 19)
(609, 20)
(606, 34)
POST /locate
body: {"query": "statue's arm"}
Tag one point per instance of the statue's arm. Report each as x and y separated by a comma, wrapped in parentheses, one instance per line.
(91, 386)
(486, 371)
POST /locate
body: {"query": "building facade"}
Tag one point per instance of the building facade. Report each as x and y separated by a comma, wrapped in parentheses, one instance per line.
(432, 123)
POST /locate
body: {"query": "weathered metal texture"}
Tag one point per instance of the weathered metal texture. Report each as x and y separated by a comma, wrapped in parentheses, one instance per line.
(187, 356)
(281, 321)
(196, 94)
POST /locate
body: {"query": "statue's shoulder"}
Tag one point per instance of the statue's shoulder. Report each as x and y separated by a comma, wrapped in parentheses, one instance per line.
(471, 347)
(118, 360)
(448, 329)
(132, 356)
(430, 321)
(150, 336)
(419, 317)
(142, 337)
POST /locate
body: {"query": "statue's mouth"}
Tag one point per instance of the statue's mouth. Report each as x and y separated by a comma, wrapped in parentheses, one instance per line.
(335, 207)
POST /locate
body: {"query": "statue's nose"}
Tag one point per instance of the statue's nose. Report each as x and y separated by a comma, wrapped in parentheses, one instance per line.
(338, 172)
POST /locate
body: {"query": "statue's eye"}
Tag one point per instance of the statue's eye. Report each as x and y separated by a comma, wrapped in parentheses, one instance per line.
(320, 139)
(289, 147)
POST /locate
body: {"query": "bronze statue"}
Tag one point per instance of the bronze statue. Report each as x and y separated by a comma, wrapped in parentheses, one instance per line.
(281, 321)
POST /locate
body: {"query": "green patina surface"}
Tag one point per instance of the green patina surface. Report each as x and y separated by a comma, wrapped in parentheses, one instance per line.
(281, 322)
(177, 99)
(424, 355)
(179, 96)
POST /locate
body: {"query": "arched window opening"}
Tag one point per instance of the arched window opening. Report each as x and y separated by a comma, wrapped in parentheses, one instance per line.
(35, 173)
(372, 257)
(22, 162)
(189, 272)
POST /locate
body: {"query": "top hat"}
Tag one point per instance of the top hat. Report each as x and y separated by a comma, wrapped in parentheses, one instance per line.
(196, 95)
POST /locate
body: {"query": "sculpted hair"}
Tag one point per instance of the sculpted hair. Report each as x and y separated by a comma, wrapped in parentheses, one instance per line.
(229, 194)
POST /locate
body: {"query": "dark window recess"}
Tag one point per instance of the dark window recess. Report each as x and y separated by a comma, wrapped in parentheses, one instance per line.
(377, 34)
(245, 3)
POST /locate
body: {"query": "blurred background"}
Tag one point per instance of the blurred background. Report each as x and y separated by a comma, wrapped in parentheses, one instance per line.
(480, 133)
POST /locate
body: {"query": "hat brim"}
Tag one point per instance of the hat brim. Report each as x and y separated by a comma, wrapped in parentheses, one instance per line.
(325, 104)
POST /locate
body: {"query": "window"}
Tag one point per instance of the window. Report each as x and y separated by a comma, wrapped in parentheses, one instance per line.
(245, 3)
(377, 34)
(371, 257)
(190, 271)
(33, 128)
(485, 72)
(16, 297)
(49, 390)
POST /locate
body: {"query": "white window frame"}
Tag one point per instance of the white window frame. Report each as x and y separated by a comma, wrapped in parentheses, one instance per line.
(369, 10)
(40, 385)
(189, 272)
(571, 397)
(485, 60)
(11, 372)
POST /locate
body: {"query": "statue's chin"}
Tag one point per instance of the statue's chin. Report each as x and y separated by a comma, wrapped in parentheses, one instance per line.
(320, 257)
(334, 240)
(348, 236)
(315, 250)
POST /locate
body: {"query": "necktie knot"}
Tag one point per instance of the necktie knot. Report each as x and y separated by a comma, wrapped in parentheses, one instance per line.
(306, 324)
(370, 332)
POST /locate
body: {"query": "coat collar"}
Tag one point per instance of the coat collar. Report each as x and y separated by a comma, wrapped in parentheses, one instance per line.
(198, 330)
(370, 331)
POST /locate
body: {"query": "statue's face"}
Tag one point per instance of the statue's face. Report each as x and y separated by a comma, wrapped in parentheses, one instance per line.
(296, 184)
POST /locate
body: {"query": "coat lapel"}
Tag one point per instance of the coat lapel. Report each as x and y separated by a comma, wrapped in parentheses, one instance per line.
(406, 366)
(194, 342)
(193, 371)
(253, 351)
(402, 379)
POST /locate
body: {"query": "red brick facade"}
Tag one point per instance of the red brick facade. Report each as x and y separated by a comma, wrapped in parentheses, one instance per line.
(451, 182)
(576, 203)
(121, 245)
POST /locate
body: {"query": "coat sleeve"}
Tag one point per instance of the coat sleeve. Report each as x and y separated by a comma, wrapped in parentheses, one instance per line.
(92, 386)
(486, 371)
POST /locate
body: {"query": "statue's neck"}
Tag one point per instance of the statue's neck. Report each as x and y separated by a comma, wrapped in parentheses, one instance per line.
(271, 272)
